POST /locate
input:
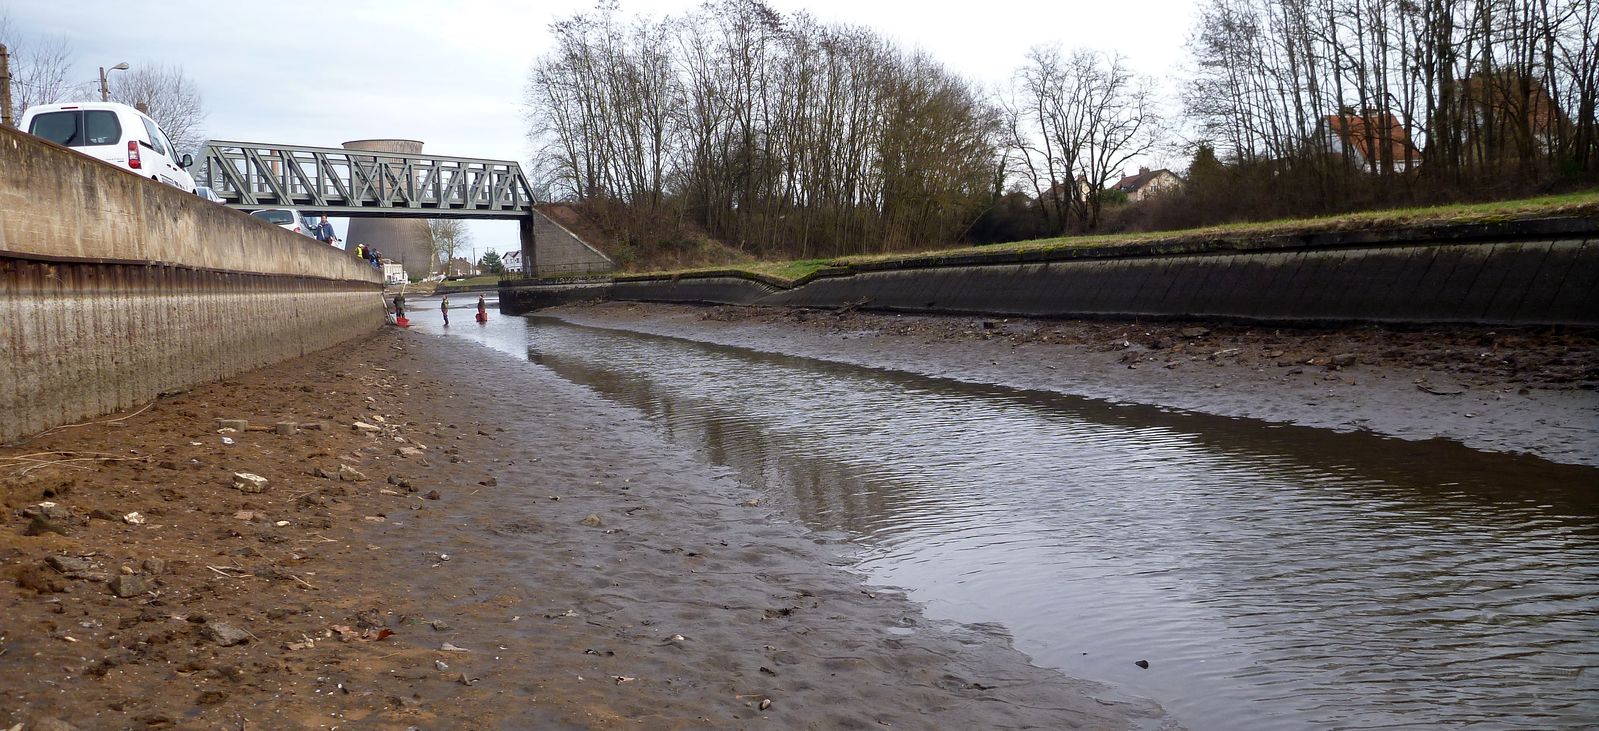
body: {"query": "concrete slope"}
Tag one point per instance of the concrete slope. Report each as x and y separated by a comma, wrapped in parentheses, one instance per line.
(1535, 272)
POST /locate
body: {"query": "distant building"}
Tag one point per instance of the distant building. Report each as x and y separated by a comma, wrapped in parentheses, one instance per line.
(1374, 142)
(460, 267)
(512, 261)
(1148, 183)
(1506, 115)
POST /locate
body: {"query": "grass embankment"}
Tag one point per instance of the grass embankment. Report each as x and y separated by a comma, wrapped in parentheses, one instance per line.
(1572, 204)
(457, 285)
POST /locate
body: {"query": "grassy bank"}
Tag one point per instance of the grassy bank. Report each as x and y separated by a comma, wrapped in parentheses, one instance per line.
(466, 285)
(1572, 204)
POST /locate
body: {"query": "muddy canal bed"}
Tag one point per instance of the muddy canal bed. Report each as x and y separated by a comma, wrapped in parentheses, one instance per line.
(1270, 575)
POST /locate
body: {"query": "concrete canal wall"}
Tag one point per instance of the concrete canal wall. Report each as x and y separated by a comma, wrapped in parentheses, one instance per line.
(115, 289)
(1536, 272)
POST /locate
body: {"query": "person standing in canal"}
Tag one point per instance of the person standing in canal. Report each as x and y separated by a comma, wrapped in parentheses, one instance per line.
(444, 309)
(482, 310)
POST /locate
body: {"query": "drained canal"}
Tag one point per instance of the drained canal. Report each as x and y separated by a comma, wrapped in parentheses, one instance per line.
(1271, 576)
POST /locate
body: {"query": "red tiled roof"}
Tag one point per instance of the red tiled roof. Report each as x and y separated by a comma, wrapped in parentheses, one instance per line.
(1503, 92)
(1369, 134)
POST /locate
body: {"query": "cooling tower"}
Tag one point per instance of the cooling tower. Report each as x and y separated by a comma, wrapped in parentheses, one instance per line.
(404, 240)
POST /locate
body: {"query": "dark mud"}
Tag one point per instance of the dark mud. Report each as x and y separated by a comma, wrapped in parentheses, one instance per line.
(521, 554)
(1518, 390)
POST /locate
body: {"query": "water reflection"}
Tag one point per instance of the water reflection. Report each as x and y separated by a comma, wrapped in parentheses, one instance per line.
(1273, 576)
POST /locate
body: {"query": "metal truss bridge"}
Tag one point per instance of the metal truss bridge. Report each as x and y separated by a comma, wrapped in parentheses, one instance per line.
(363, 183)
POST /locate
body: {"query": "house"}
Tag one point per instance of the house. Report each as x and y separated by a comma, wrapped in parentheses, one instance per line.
(1148, 183)
(1374, 142)
(459, 267)
(512, 260)
(1505, 114)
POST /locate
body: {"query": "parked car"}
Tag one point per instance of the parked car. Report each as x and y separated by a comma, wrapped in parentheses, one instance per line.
(115, 133)
(286, 218)
(208, 194)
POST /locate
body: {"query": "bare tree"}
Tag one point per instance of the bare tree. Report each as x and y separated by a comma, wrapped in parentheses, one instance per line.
(776, 134)
(446, 238)
(1075, 122)
(41, 68)
(169, 96)
(1341, 104)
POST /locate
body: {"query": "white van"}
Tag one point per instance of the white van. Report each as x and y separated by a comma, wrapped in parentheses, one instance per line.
(287, 219)
(115, 133)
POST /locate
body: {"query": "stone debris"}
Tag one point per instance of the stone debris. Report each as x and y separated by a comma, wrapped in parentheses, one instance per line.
(286, 428)
(154, 566)
(224, 634)
(350, 474)
(362, 426)
(77, 568)
(237, 425)
(249, 483)
(49, 511)
(133, 518)
(70, 564)
(592, 521)
(408, 451)
(126, 586)
(41, 525)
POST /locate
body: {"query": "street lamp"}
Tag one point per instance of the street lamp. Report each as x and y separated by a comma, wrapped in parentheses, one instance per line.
(105, 90)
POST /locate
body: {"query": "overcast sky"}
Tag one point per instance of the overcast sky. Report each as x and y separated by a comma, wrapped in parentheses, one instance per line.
(451, 73)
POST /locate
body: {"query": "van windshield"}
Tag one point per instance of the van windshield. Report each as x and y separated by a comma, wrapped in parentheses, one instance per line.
(275, 215)
(78, 128)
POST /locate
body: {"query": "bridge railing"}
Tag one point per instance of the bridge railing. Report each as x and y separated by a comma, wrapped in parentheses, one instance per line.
(363, 182)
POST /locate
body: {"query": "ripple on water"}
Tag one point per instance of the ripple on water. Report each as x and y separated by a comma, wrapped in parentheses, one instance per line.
(1274, 577)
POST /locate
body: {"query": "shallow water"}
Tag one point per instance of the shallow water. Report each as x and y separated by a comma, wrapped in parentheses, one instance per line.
(1272, 576)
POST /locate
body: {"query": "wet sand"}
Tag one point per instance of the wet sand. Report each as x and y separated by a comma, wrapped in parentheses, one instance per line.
(1519, 390)
(515, 552)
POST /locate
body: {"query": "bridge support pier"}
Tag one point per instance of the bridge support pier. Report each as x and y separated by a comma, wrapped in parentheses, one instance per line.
(525, 228)
(550, 249)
